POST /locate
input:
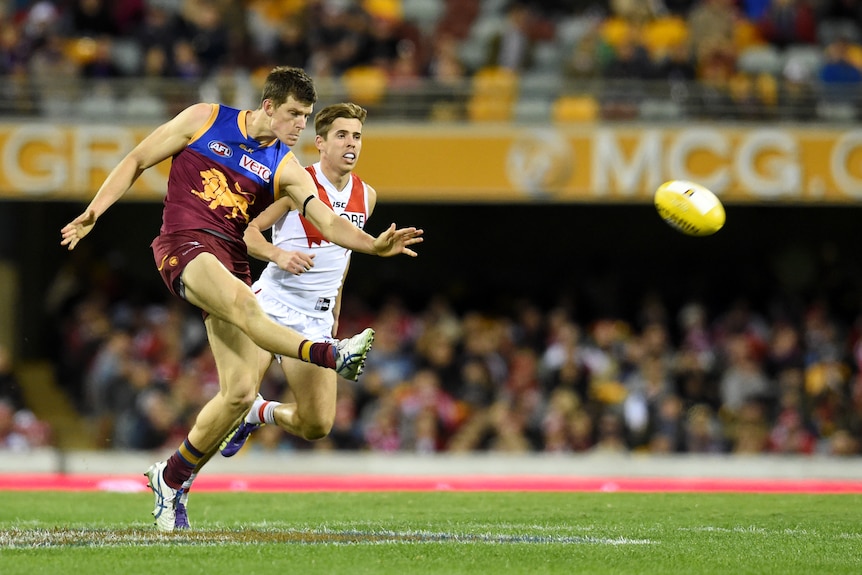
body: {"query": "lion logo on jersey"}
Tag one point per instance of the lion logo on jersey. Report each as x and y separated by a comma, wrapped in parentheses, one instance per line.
(218, 194)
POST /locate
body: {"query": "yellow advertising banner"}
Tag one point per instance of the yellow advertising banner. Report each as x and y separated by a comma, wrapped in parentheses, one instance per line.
(487, 163)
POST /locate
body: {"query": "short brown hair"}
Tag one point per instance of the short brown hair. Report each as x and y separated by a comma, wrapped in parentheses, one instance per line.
(323, 119)
(285, 81)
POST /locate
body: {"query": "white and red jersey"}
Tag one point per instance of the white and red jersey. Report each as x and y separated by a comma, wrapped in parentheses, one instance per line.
(313, 292)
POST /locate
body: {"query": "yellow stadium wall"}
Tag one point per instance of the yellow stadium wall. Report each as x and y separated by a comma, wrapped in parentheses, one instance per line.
(410, 163)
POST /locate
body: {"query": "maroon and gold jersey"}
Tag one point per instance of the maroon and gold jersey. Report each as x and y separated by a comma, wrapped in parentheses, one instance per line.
(223, 178)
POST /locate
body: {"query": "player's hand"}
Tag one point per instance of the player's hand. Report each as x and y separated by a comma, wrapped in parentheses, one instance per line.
(74, 231)
(396, 241)
(294, 262)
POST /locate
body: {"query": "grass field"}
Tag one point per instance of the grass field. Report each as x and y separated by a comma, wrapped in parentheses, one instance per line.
(434, 532)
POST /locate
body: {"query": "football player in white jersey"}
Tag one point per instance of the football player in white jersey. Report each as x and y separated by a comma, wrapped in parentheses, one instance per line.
(301, 286)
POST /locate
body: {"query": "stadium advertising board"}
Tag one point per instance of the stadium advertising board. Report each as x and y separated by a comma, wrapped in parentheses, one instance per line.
(412, 163)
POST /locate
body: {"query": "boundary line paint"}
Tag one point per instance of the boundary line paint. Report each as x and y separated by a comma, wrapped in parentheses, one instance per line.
(358, 483)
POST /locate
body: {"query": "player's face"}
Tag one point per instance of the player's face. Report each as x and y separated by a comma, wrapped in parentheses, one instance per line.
(289, 120)
(342, 145)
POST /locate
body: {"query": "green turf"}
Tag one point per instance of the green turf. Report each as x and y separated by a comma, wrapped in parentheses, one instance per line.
(446, 533)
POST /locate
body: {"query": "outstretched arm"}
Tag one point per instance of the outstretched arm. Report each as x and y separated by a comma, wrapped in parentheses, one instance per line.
(165, 141)
(297, 183)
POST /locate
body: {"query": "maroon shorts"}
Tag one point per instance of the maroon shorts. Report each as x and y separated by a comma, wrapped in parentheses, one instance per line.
(174, 251)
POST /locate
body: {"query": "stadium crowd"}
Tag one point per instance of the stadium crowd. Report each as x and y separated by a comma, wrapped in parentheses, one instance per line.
(20, 429)
(527, 378)
(582, 59)
(692, 380)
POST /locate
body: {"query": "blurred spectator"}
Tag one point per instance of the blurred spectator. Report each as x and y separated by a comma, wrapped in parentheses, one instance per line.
(512, 46)
(339, 32)
(788, 22)
(840, 77)
(590, 52)
(436, 352)
(603, 358)
(204, 35)
(711, 22)
(668, 429)
(676, 65)
(158, 28)
(711, 25)
(610, 437)
(187, 65)
(747, 429)
(15, 50)
(385, 41)
(508, 430)
(646, 388)
(291, 46)
(20, 430)
(743, 378)
(562, 405)
(630, 61)
(785, 351)
(42, 20)
(421, 398)
(703, 431)
(265, 21)
(101, 64)
(562, 363)
(754, 10)
(147, 423)
(843, 443)
(447, 75)
(475, 389)
(50, 64)
(392, 363)
(634, 12)
(381, 432)
(790, 435)
(581, 428)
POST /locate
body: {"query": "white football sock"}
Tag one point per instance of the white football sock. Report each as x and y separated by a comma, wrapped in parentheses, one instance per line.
(262, 411)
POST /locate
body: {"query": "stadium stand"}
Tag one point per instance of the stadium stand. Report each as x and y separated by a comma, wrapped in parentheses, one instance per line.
(708, 381)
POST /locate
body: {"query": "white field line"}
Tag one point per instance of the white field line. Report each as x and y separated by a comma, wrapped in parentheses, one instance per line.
(60, 538)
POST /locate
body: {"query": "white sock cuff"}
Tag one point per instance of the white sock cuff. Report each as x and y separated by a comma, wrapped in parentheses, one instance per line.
(262, 411)
(269, 412)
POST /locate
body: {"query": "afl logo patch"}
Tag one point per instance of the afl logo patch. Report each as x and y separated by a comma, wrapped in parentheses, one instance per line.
(220, 149)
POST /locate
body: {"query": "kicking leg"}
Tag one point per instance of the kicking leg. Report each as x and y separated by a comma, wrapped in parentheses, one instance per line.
(211, 287)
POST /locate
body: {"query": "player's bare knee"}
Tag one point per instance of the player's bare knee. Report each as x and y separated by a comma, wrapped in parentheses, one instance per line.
(314, 430)
(239, 401)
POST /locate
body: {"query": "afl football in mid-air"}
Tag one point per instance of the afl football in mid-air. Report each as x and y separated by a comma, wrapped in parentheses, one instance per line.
(689, 207)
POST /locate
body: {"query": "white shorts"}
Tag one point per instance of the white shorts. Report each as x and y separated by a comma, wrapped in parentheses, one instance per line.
(313, 328)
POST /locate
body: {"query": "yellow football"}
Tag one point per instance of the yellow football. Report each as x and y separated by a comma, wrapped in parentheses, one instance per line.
(690, 208)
